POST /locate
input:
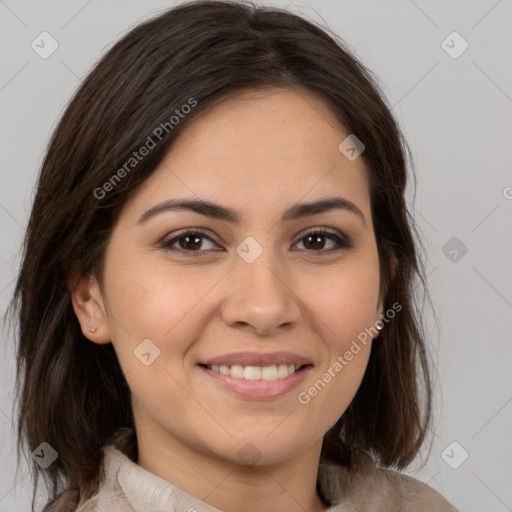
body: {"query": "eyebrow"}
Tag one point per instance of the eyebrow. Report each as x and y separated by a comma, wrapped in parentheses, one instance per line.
(216, 211)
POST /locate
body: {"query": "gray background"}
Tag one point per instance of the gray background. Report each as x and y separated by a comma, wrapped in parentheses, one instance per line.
(456, 114)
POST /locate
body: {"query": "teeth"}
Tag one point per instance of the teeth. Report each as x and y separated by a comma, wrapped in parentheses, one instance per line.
(252, 373)
(282, 371)
(237, 371)
(272, 372)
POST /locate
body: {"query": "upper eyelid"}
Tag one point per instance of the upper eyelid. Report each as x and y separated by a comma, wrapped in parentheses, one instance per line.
(205, 232)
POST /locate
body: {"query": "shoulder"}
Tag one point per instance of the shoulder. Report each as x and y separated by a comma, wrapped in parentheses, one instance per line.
(412, 494)
(376, 489)
(89, 506)
(109, 496)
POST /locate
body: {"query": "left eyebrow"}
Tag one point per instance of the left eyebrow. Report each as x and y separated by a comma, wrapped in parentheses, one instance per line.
(216, 211)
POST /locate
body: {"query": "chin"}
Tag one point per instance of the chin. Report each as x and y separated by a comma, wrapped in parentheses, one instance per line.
(265, 448)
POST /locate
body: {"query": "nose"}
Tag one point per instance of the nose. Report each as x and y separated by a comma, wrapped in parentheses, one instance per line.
(261, 298)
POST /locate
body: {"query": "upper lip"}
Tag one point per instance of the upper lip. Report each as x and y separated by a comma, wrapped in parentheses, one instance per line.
(257, 359)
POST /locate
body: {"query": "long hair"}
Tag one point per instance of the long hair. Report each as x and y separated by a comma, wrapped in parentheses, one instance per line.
(72, 393)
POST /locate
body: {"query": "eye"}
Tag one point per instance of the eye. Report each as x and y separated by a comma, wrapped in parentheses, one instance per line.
(191, 242)
(188, 241)
(313, 239)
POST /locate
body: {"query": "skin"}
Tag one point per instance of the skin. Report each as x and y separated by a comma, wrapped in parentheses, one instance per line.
(259, 152)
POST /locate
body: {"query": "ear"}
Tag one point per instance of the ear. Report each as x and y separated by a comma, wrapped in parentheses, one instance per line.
(89, 307)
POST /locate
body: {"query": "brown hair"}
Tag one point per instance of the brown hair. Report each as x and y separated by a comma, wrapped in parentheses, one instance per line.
(72, 393)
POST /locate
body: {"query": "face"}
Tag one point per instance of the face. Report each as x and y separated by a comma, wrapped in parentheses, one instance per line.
(203, 322)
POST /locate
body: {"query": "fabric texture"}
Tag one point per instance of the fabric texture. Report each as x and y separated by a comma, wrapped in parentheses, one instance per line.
(127, 487)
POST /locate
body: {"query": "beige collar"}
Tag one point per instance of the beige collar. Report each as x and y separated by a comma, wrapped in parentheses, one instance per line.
(127, 487)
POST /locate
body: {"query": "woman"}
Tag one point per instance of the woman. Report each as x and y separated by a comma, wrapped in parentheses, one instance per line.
(216, 296)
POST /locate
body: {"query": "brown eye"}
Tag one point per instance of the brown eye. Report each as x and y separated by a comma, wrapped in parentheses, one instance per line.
(314, 241)
(188, 241)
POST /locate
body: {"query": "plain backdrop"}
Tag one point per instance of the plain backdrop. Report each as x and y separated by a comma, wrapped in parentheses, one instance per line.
(455, 107)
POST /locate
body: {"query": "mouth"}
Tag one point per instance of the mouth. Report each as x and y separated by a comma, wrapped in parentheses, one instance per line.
(267, 373)
(256, 376)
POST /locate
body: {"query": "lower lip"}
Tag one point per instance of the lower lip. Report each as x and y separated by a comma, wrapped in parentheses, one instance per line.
(258, 389)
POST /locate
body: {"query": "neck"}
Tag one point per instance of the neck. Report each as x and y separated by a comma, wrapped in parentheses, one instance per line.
(224, 484)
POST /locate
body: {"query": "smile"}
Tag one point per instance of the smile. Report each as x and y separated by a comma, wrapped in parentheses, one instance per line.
(256, 382)
(272, 372)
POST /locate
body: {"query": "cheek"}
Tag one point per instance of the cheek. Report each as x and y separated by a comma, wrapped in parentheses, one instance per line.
(326, 397)
(150, 303)
(342, 307)
(344, 303)
(152, 300)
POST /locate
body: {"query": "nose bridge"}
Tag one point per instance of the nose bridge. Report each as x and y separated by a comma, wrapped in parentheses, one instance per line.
(264, 279)
(259, 293)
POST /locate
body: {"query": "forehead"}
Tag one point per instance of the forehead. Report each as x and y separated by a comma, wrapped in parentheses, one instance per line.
(260, 149)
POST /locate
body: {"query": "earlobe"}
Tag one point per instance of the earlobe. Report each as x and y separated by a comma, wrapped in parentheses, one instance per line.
(89, 308)
(379, 324)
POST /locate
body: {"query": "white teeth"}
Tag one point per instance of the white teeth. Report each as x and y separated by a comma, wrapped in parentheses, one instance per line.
(272, 372)
(237, 371)
(252, 373)
(282, 371)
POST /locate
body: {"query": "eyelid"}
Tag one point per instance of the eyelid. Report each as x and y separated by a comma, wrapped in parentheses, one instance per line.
(323, 230)
(167, 241)
(342, 241)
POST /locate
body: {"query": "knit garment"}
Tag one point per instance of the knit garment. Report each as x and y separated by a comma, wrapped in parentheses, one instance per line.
(127, 487)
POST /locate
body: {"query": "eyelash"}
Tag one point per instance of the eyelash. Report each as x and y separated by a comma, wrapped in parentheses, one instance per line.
(342, 243)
